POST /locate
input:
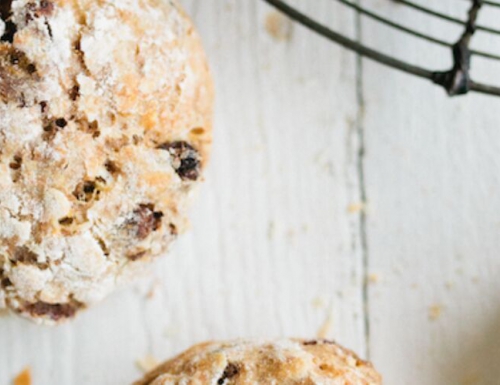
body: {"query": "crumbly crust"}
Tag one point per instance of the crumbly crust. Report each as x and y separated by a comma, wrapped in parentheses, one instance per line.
(105, 128)
(283, 362)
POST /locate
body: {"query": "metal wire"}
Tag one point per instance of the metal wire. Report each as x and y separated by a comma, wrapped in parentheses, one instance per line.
(491, 3)
(456, 81)
(413, 32)
(443, 16)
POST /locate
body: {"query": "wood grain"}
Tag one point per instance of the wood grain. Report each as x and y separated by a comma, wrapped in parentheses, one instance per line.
(282, 243)
(432, 178)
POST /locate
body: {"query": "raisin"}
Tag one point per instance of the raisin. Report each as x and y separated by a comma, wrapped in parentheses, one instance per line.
(10, 31)
(6, 282)
(16, 163)
(185, 159)
(61, 123)
(230, 371)
(10, 27)
(5, 9)
(66, 221)
(44, 106)
(31, 68)
(54, 312)
(145, 220)
(46, 8)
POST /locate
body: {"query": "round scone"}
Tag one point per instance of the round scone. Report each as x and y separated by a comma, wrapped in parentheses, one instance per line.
(284, 362)
(105, 128)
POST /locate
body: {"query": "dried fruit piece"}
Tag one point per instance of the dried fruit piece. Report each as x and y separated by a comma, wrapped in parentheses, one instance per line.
(145, 220)
(185, 159)
(55, 312)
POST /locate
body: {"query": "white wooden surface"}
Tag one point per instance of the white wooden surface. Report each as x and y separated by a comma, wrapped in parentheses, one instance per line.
(279, 245)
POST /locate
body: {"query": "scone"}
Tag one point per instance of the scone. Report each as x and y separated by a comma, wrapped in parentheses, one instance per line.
(283, 362)
(105, 128)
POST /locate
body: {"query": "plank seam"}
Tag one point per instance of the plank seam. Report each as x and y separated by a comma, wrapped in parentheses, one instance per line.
(362, 187)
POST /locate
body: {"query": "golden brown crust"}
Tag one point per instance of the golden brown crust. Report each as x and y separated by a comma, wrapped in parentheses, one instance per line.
(106, 127)
(284, 362)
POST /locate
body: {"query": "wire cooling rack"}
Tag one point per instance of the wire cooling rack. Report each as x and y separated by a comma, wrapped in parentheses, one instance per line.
(456, 81)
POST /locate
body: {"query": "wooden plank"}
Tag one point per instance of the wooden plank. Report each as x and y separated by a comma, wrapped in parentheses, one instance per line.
(432, 180)
(274, 250)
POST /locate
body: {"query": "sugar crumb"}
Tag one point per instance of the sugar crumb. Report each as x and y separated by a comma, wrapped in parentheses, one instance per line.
(355, 208)
(147, 363)
(435, 312)
(373, 278)
(326, 328)
(278, 26)
(23, 378)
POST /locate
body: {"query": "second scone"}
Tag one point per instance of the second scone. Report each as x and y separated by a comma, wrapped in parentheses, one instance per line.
(283, 362)
(105, 128)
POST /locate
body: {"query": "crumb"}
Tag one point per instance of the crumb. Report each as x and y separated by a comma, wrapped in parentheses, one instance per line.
(476, 280)
(147, 363)
(318, 303)
(278, 26)
(355, 208)
(326, 328)
(414, 286)
(23, 378)
(449, 285)
(373, 278)
(153, 290)
(435, 312)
